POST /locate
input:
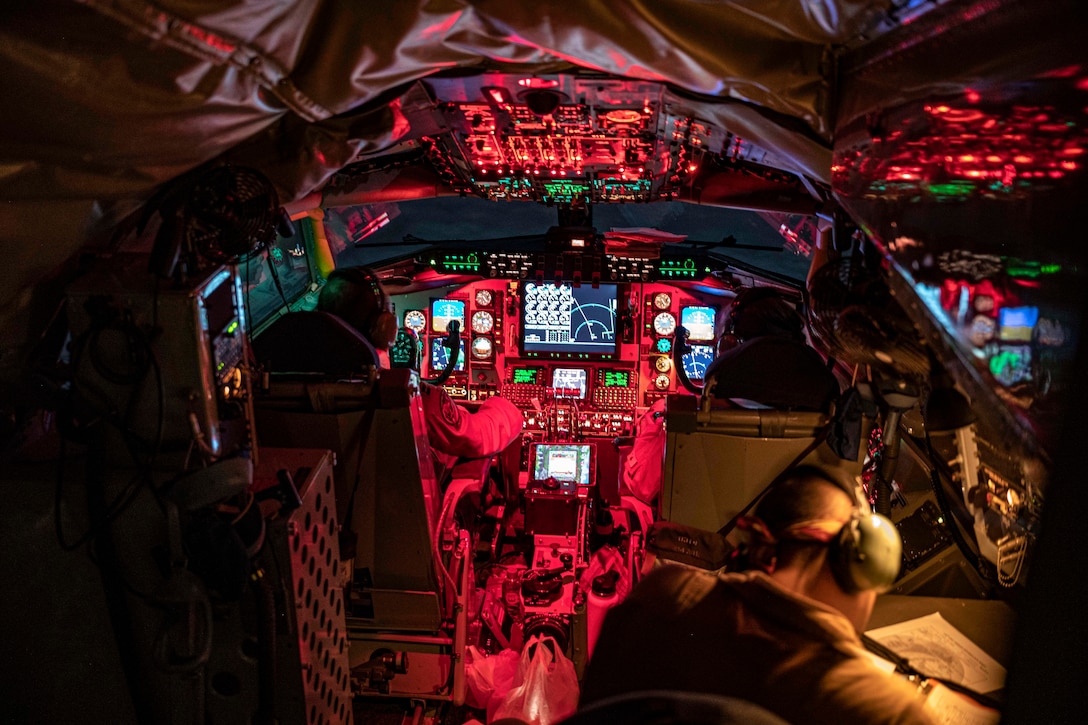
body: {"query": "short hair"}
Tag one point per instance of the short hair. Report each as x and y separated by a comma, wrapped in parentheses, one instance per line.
(804, 493)
(763, 312)
(354, 295)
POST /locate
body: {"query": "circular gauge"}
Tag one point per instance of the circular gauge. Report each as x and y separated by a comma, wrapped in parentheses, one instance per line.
(662, 300)
(415, 320)
(662, 364)
(665, 324)
(484, 297)
(697, 361)
(982, 330)
(481, 348)
(661, 382)
(482, 322)
(663, 345)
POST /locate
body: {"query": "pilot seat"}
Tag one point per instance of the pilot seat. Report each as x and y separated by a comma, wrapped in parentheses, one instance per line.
(719, 459)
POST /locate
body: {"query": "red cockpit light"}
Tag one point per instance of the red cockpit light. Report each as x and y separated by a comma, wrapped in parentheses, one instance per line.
(537, 83)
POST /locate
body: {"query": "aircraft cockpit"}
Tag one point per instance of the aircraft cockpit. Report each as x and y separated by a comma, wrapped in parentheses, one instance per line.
(227, 503)
(597, 336)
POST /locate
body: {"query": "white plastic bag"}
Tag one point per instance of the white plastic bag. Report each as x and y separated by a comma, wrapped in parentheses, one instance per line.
(546, 688)
(489, 678)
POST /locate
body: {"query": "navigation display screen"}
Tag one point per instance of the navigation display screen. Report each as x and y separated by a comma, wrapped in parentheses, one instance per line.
(1018, 323)
(440, 355)
(442, 311)
(697, 361)
(699, 322)
(563, 462)
(568, 320)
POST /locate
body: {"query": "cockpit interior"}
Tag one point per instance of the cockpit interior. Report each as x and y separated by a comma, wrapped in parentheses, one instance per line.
(225, 504)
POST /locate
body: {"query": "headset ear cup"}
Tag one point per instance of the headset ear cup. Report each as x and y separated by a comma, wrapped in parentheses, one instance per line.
(726, 343)
(383, 332)
(866, 554)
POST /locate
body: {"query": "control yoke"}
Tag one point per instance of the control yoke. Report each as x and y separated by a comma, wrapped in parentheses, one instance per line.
(679, 349)
(453, 344)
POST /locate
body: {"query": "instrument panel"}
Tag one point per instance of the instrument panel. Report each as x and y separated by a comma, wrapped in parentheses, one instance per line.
(579, 360)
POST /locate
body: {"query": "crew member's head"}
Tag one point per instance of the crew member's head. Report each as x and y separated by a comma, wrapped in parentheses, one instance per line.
(814, 535)
(355, 295)
(759, 312)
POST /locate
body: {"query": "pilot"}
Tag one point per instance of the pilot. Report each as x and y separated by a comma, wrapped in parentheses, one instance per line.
(763, 358)
(783, 635)
(763, 361)
(355, 295)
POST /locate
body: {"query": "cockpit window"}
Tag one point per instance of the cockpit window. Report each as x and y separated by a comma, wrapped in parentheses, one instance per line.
(779, 244)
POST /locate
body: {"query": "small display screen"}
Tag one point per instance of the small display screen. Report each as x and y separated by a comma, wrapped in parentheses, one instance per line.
(443, 311)
(219, 304)
(563, 462)
(407, 350)
(440, 355)
(699, 322)
(1011, 364)
(1018, 323)
(568, 320)
(615, 378)
(697, 361)
(569, 382)
(527, 376)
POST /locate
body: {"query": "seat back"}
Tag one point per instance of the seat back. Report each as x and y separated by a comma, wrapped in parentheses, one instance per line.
(314, 342)
(386, 493)
(717, 461)
(779, 373)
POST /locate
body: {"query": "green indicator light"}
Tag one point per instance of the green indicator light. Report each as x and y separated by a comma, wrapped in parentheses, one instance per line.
(232, 327)
(952, 188)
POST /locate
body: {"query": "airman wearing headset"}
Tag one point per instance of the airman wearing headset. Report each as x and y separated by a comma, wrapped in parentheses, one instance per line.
(355, 295)
(783, 634)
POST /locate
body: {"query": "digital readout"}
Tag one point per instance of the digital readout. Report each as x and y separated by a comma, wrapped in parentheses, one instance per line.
(527, 376)
(615, 378)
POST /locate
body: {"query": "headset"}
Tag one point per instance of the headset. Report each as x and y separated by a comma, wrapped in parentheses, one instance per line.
(744, 299)
(381, 325)
(865, 553)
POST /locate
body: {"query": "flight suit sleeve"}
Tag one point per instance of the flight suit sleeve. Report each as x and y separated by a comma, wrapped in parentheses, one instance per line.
(455, 431)
(643, 468)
